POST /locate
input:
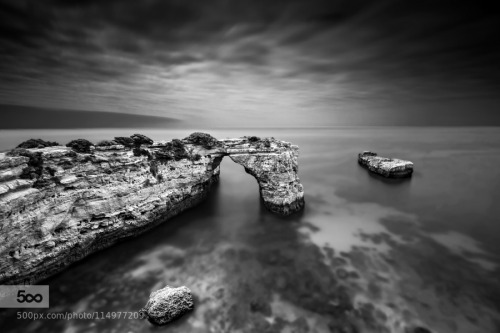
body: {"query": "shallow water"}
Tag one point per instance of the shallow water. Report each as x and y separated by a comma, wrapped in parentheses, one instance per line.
(366, 255)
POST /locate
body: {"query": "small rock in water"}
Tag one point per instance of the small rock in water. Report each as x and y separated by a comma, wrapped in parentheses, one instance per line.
(168, 304)
(387, 167)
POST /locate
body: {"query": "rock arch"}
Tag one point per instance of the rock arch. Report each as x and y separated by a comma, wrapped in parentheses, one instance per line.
(59, 204)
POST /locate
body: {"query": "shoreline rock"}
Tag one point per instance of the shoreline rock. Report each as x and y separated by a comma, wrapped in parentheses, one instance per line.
(387, 167)
(274, 164)
(59, 204)
(168, 304)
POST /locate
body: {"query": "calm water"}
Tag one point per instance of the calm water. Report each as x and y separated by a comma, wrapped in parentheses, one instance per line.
(367, 252)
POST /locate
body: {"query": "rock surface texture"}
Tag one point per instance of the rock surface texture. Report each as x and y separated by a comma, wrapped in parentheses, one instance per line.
(58, 204)
(387, 167)
(168, 304)
(275, 169)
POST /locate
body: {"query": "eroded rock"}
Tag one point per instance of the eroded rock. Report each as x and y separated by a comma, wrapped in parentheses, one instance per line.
(59, 204)
(168, 304)
(387, 167)
(274, 164)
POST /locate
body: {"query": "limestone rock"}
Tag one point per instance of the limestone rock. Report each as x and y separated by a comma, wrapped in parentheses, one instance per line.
(168, 304)
(274, 164)
(387, 167)
(58, 205)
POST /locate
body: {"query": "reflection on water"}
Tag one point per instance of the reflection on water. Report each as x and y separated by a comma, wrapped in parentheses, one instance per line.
(366, 255)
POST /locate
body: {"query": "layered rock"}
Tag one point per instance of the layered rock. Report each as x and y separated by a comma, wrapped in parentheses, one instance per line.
(59, 204)
(168, 304)
(274, 164)
(387, 167)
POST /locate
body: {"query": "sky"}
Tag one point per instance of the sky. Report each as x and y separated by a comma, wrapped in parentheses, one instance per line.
(256, 62)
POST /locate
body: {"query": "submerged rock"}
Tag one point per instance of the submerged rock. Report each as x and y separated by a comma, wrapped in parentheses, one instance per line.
(387, 167)
(168, 304)
(60, 204)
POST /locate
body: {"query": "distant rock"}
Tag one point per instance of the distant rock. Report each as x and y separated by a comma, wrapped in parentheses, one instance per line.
(387, 167)
(37, 143)
(168, 304)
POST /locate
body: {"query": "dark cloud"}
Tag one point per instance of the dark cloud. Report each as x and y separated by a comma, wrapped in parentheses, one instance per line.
(319, 50)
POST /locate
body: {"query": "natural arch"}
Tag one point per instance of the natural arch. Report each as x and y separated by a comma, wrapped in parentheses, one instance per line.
(58, 204)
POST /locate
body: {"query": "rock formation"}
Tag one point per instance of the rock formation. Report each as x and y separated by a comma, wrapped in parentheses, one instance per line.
(168, 304)
(58, 204)
(387, 167)
(275, 167)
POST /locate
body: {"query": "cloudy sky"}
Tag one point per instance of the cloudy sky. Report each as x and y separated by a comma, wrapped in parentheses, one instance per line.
(256, 62)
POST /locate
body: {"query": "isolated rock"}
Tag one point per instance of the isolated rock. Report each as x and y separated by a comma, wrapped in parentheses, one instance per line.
(387, 167)
(60, 204)
(168, 304)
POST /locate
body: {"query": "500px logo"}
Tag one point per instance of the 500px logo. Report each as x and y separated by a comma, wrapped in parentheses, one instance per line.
(24, 296)
(21, 297)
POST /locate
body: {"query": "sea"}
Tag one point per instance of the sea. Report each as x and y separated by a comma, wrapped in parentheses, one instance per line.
(367, 254)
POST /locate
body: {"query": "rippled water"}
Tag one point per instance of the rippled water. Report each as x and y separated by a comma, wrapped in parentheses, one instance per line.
(366, 255)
